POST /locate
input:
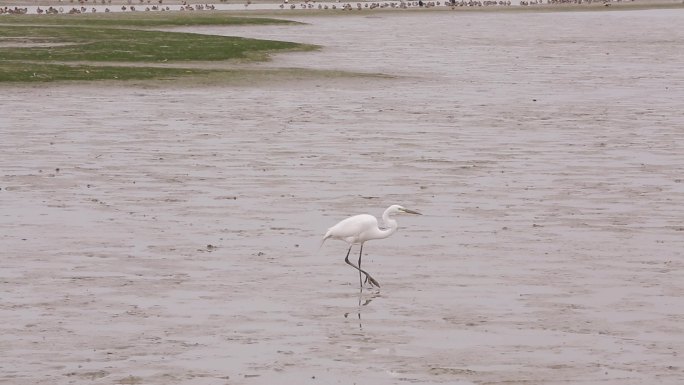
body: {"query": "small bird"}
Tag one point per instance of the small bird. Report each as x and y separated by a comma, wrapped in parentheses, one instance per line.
(364, 227)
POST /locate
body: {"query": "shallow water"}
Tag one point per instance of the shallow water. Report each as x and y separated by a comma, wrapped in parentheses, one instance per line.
(165, 234)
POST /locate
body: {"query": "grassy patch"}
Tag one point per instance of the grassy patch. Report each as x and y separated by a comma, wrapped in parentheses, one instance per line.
(129, 45)
(33, 51)
(39, 72)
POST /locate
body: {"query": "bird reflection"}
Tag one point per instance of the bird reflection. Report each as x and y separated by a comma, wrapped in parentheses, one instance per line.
(364, 300)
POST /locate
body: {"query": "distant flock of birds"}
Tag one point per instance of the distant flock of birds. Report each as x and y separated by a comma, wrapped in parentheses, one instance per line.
(307, 4)
(393, 4)
(568, 2)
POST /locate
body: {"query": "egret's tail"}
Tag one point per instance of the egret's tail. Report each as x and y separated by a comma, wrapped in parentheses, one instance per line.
(327, 235)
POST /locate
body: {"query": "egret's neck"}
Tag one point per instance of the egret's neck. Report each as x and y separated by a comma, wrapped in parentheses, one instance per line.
(390, 225)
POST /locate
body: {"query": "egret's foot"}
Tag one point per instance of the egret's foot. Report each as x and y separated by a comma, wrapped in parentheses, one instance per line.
(371, 281)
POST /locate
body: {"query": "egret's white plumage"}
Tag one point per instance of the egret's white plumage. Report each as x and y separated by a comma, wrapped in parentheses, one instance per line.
(356, 229)
(361, 228)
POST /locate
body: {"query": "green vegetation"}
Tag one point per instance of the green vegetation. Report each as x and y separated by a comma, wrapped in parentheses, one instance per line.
(129, 45)
(117, 46)
(38, 72)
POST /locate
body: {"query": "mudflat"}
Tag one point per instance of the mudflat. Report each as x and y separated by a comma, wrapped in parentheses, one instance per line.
(169, 233)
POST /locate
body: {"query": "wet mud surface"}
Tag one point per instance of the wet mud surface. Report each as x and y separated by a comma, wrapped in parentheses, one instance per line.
(159, 235)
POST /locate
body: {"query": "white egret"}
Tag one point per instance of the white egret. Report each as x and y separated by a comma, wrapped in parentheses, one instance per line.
(361, 228)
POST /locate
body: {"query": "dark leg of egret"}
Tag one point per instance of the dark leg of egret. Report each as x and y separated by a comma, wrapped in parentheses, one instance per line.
(368, 277)
(360, 280)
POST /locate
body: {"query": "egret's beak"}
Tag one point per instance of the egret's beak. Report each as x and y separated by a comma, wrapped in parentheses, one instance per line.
(407, 211)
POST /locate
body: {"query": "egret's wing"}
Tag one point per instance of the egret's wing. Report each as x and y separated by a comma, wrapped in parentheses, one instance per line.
(352, 226)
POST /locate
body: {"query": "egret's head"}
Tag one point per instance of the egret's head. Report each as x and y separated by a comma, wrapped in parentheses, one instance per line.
(402, 209)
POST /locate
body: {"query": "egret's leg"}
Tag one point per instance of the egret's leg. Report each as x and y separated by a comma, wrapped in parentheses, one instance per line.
(346, 259)
(360, 281)
(371, 279)
(359, 264)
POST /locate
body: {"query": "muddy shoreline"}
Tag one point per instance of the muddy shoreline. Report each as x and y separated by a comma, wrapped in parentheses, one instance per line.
(163, 234)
